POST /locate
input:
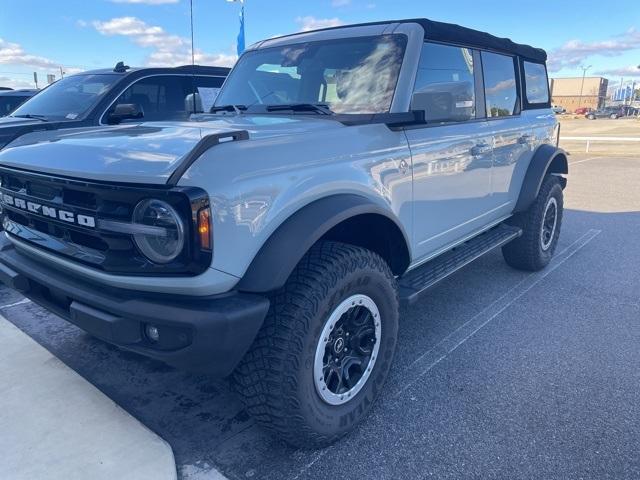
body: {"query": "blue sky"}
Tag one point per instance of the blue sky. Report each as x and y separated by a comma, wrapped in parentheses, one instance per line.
(41, 35)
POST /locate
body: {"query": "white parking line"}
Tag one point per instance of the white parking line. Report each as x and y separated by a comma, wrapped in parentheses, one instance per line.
(15, 304)
(585, 160)
(423, 364)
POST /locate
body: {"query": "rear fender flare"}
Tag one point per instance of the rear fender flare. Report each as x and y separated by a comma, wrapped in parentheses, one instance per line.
(546, 159)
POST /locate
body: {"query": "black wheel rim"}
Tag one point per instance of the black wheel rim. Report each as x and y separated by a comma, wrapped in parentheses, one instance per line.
(347, 349)
(549, 222)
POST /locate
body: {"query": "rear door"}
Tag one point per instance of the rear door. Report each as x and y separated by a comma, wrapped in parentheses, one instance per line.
(452, 153)
(516, 132)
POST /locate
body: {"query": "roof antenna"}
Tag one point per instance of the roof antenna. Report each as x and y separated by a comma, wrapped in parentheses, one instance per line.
(193, 58)
(119, 68)
(193, 63)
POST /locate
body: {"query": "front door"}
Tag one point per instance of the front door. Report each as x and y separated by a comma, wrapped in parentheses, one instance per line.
(452, 153)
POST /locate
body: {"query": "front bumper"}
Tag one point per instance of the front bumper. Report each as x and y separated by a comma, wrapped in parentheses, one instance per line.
(203, 334)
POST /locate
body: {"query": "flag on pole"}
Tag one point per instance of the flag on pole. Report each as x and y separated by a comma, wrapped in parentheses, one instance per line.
(241, 33)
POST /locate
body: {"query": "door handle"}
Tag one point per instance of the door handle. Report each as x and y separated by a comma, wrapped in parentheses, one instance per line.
(480, 149)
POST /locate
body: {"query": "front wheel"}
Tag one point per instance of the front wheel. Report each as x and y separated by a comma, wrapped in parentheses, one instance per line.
(540, 226)
(591, 117)
(613, 116)
(326, 346)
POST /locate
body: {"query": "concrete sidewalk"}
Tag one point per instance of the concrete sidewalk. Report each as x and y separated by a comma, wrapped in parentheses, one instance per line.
(56, 425)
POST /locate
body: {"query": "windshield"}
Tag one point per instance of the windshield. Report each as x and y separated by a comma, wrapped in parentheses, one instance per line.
(69, 98)
(354, 75)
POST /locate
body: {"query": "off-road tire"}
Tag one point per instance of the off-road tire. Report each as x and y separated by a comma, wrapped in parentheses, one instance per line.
(527, 252)
(275, 378)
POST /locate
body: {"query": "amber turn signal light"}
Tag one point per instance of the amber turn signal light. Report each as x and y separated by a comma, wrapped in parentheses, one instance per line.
(204, 228)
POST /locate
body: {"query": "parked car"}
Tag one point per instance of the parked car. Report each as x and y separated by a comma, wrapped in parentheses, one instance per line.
(606, 112)
(557, 109)
(12, 99)
(118, 95)
(340, 172)
(582, 110)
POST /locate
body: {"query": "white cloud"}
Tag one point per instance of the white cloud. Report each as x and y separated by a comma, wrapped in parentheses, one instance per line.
(14, 54)
(166, 49)
(147, 2)
(630, 71)
(575, 52)
(340, 3)
(15, 83)
(126, 26)
(311, 23)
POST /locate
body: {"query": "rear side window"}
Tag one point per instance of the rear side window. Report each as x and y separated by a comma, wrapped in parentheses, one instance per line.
(445, 85)
(501, 91)
(536, 83)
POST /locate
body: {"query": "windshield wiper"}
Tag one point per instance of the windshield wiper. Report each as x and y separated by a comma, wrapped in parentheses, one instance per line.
(31, 115)
(228, 108)
(321, 108)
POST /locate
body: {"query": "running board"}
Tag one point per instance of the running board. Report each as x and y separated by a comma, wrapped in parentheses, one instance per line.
(417, 281)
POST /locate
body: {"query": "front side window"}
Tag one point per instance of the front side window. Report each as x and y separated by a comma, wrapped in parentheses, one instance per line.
(10, 103)
(536, 83)
(445, 85)
(68, 99)
(161, 97)
(355, 75)
(500, 87)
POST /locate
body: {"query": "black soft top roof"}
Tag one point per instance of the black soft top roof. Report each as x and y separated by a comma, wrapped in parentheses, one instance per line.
(452, 33)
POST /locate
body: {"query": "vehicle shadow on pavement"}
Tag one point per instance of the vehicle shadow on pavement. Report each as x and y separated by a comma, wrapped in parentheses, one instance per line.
(206, 424)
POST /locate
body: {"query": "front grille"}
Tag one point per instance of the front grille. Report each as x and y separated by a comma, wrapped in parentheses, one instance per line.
(105, 250)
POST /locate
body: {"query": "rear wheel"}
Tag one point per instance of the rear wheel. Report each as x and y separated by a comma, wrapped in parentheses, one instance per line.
(613, 116)
(326, 346)
(591, 117)
(540, 226)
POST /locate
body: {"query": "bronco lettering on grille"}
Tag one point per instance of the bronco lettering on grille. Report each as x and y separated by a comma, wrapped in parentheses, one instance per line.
(47, 211)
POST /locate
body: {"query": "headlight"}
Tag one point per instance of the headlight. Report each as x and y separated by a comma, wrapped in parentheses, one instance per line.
(161, 237)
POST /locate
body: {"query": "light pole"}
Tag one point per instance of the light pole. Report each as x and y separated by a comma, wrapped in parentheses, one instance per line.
(584, 73)
(633, 93)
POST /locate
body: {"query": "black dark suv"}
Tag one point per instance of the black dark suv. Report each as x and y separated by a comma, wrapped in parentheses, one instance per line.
(12, 99)
(606, 112)
(117, 95)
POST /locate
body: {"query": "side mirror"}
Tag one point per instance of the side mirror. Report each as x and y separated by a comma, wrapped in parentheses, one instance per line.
(444, 102)
(399, 120)
(125, 111)
(421, 101)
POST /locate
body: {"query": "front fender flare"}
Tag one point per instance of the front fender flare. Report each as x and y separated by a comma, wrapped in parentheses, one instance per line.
(546, 159)
(276, 259)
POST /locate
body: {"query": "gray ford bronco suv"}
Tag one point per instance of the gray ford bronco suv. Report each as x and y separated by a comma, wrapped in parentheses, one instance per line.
(339, 173)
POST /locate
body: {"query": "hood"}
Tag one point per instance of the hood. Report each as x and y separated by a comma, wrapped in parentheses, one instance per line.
(17, 121)
(139, 153)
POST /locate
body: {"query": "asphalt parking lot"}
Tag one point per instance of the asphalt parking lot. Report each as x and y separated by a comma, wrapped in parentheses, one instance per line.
(498, 373)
